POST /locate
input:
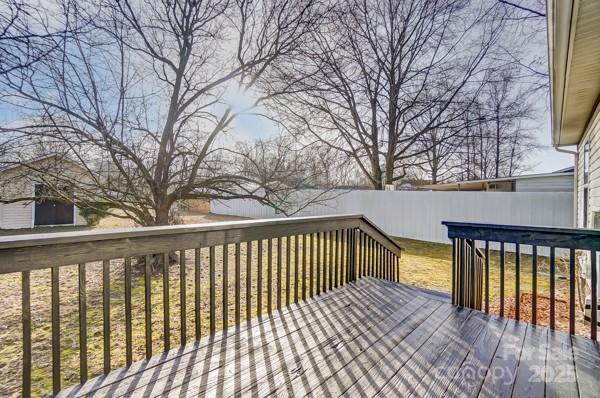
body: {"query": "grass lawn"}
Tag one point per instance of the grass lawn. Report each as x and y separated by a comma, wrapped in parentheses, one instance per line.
(423, 264)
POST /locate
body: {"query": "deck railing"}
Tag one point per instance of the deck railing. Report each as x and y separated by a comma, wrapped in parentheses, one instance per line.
(312, 254)
(467, 275)
(584, 241)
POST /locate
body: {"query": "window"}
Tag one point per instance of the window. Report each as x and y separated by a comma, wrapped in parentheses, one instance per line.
(586, 163)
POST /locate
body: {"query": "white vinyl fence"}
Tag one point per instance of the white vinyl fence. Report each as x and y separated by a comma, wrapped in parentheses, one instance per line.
(419, 214)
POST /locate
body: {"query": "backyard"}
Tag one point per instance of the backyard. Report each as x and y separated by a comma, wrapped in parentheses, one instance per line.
(423, 264)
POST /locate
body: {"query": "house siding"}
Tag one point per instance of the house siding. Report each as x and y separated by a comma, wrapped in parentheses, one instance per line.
(559, 183)
(593, 137)
(16, 215)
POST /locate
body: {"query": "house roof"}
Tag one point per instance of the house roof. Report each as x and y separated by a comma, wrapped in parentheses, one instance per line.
(574, 58)
(475, 185)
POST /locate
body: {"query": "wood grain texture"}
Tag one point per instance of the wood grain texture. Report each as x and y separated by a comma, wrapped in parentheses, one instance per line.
(366, 338)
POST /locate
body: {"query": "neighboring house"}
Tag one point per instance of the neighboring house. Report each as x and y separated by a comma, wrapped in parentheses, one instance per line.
(574, 55)
(558, 181)
(20, 181)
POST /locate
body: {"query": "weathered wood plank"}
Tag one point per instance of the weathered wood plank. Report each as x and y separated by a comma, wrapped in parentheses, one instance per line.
(329, 303)
(82, 301)
(442, 371)
(477, 361)
(197, 301)
(248, 281)
(260, 374)
(212, 289)
(270, 276)
(148, 304)
(26, 321)
(279, 271)
(340, 366)
(531, 373)
(128, 320)
(409, 362)
(288, 270)
(259, 278)
(586, 354)
(500, 375)
(561, 380)
(238, 283)
(182, 297)
(106, 314)
(166, 302)
(225, 292)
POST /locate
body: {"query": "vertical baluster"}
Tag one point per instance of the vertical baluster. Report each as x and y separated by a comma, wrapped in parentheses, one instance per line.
(248, 281)
(572, 291)
(148, 304)
(502, 257)
(304, 244)
(270, 276)
(288, 267)
(370, 257)
(390, 266)
(534, 284)
(594, 301)
(56, 330)
(183, 296)
(225, 296)
(331, 263)
(259, 279)
(83, 367)
(487, 276)
(238, 282)
(455, 250)
(381, 262)
(318, 262)
(296, 268)
(166, 305)
(128, 326)
(212, 288)
(337, 259)
(26, 320)
(197, 266)
(106, 312)
(325, 258)
(517, 281)
(552, 286)
(311, 273)
(344, 263)
(279, 266)
(364, 257)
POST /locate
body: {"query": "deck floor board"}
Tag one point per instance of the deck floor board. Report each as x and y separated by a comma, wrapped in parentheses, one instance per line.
(368, 338)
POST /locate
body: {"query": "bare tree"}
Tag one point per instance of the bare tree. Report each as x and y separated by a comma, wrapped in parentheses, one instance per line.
(142, 99)
(24, 33)
(382, 74)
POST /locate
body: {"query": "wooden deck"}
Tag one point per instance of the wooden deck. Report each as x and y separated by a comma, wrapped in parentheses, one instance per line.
(369, 338)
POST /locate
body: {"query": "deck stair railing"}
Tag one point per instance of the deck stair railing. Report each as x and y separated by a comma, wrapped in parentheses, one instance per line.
(305, 256)
(467, 282)
(467, 277)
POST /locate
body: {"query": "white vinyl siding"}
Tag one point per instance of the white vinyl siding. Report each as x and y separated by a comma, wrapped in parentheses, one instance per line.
(559, 183)
(16, 215)
(592, 137)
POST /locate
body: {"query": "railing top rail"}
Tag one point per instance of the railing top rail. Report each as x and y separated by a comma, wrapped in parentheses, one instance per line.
(34, 251)
(576, 238)
(13, 241)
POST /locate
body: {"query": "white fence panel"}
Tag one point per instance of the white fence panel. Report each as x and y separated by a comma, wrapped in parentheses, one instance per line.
(418, 214)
